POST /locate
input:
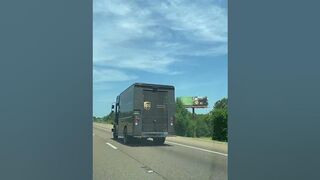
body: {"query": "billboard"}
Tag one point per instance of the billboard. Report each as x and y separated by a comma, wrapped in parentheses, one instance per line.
(194, 101)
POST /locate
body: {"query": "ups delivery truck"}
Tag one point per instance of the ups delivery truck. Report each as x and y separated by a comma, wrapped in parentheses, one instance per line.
(144, 111)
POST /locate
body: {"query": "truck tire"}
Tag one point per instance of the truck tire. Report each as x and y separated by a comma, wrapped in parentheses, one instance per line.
(144, 140)
(114, 133)
(159, 140)
(115, 136)
(125, 136)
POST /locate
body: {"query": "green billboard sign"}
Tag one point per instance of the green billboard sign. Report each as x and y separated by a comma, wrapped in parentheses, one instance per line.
(194, 101)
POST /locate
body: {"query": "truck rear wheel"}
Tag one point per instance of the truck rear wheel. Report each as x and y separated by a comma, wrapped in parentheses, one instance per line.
(159, 140)
(114, 133)
(115, 136)
(144, 140)
(125, 136)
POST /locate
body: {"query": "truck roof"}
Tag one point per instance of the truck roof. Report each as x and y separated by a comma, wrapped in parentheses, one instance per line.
(153, 85)
(148, 85)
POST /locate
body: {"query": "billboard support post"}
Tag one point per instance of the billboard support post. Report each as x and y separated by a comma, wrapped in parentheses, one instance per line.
(193, 113)
(193, 118)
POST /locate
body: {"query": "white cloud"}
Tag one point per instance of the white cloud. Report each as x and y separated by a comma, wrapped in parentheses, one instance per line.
(145, 62)
(202, 22)
(110, 75)
(111, 6)
(150, 35)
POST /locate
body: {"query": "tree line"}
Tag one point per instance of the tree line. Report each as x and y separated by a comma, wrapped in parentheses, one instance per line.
(105, 119)
(213, 124)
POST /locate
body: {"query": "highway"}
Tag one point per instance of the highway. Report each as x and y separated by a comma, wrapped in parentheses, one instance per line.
(178, 158)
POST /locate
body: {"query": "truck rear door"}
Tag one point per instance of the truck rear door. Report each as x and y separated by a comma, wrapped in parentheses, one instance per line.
(154, 114)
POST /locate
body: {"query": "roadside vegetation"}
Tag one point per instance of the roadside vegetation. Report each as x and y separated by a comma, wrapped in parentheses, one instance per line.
(213, 124)
(106, 119)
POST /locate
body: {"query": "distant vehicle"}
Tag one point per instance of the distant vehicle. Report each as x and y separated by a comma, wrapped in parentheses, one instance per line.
(144, 111)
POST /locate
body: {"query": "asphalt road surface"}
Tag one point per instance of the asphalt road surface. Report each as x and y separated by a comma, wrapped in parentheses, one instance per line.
(173, 160)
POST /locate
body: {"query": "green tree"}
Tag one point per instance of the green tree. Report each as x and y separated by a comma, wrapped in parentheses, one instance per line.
(214, 124)
(105, 119)
(221, 104)
(109, 118)
(202, 125)
(219, 120)
(183, 120)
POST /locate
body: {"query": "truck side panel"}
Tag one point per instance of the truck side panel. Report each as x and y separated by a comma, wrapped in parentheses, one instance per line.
(125, 111)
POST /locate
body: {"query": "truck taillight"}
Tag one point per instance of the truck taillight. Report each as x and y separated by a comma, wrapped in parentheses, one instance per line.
(136, 120)
(172, 118)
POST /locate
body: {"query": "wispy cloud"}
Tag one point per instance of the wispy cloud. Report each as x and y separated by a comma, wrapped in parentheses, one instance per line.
(144, 62)
(201, 21)
(150, 35)
(110, 75)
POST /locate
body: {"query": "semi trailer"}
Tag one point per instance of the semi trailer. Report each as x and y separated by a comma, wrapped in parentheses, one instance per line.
(144, 111)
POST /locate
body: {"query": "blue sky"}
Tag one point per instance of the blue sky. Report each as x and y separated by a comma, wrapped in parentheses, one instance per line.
(176, 42)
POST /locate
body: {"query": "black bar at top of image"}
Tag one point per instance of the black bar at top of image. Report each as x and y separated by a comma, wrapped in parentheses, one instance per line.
(274, 90)
(46, 90)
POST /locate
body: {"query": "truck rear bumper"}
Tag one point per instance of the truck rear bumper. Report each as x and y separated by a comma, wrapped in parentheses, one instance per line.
(152, 134)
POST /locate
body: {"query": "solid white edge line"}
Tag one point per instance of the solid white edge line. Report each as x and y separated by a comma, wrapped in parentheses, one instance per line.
(192, 147)
(112, 146)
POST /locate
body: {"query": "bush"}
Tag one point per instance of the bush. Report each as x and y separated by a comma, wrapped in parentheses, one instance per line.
(183, 120)
(219, 117)
(187, 126)
(202, 127)
(106, 119)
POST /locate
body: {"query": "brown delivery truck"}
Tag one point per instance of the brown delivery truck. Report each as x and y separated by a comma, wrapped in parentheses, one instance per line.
(144, 111)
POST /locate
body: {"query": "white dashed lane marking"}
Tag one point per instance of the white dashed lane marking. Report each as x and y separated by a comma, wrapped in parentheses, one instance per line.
(112, 146)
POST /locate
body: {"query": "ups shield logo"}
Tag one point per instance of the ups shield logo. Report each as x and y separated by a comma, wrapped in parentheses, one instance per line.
(147, 105)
